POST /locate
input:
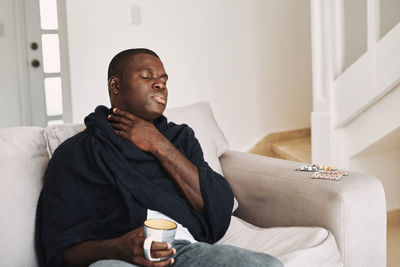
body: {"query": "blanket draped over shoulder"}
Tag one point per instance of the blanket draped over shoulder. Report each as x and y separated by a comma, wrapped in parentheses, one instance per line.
(99, 186)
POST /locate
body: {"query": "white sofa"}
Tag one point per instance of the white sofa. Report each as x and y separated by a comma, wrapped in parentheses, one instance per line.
(283, 212)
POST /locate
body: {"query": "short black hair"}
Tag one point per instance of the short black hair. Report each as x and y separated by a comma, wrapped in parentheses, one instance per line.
(119, 61)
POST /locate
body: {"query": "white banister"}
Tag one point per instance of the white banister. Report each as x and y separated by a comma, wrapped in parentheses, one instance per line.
(327, 56)
(320, 119)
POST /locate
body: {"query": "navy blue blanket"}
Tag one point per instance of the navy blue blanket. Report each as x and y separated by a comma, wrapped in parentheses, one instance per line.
(99, 186)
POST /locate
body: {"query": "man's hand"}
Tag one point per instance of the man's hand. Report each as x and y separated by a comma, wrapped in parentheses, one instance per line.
(131, 247)
(140, 132)
(128, 247)
(148, 138)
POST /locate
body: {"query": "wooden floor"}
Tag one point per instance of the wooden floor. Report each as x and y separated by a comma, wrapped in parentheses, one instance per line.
(296, 146)
(393, 239)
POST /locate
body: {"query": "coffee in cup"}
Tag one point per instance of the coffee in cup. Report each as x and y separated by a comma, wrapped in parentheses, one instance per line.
(159, 230)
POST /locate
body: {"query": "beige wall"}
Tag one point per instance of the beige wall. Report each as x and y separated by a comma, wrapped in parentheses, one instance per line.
(251, 59)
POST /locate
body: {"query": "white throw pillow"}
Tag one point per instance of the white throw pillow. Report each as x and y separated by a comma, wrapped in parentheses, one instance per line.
(200, 118)
(56, 134)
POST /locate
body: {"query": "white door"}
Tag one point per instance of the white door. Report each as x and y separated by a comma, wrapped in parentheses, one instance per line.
(32, 85)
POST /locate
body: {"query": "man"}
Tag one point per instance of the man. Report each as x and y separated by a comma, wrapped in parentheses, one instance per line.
(129, 165)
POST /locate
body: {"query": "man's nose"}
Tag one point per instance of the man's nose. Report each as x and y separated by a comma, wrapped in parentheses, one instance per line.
(159, 85)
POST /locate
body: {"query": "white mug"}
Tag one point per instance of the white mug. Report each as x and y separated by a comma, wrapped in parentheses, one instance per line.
(159, 230)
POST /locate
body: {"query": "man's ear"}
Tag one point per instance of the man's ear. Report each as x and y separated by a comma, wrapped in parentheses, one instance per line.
(113, 85)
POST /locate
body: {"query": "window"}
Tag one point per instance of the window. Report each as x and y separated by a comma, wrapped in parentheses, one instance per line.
(51, 61)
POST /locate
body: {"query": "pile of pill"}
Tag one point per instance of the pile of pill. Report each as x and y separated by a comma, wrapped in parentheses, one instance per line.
(315, 168)
(328, 176)
(323, 172)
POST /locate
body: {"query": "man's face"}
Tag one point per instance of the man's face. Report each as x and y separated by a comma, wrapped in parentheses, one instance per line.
(142, 87)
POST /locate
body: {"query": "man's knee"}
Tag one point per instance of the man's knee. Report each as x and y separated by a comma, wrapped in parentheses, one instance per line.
(203, 254)
(245, 257)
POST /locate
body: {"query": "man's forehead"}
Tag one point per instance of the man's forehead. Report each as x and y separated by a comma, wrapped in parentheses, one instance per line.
(145, 61)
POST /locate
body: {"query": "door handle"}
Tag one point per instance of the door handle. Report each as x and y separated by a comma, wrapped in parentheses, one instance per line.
(34, 45)
(35, 63)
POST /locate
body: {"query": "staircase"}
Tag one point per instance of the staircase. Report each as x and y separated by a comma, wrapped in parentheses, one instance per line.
(292, 145)
(356, 111)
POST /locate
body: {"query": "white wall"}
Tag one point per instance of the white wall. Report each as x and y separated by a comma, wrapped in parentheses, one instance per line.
(285, 96)
(9, 88)
(250, 59)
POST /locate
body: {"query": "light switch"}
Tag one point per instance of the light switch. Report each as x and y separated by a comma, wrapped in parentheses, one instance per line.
(134, 15)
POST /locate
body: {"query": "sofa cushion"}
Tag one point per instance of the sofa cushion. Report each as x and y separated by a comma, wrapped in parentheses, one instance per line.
(294, 246)
(56, 134)
(23, 160)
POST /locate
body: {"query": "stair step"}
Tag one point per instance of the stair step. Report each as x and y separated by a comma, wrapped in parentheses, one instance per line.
(292, 145)
(296, 149)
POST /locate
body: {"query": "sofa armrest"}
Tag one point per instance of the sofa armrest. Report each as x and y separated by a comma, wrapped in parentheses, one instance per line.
(271, 193)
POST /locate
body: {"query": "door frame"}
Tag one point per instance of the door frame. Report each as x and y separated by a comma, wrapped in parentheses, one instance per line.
(64, 61)
(32, 100)
(22, 65)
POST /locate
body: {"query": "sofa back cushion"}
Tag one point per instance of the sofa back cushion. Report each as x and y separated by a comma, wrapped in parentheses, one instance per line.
(56, 134)
(200, 118)
(23, 160)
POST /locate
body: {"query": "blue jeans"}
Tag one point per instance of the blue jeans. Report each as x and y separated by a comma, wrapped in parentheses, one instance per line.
(204, 254)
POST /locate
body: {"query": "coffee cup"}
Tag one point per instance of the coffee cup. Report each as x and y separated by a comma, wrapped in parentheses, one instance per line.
(159, 230)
